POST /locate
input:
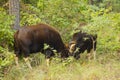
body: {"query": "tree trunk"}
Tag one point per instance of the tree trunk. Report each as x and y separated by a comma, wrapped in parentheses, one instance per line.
(91, 2)
(14, 9)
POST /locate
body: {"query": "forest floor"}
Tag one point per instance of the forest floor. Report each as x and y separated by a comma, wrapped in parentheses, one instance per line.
(105, 67)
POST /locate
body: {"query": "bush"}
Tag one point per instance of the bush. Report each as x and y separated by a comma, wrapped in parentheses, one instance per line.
(107, 26)
(6, 40)
(6, 33)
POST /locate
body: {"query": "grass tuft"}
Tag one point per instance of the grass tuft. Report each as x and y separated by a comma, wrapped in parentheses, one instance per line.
(106, 67)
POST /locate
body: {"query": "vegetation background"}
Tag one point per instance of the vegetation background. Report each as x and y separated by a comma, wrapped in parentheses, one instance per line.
(101, 17)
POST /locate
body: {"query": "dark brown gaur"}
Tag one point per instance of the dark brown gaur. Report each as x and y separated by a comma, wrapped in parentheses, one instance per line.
(31, 39)
(82, 41)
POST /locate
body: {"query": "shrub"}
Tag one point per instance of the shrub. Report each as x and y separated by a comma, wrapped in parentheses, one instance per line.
(107, 27)
(6, 40)
(6, 33)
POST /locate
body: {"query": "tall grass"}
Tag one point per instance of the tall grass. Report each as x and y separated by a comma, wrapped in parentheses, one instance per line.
(106, 67)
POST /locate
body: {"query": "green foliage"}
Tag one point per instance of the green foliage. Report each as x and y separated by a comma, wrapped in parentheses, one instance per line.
(107, 28)
(60, 14)
(2, 2)
(114, 3)
(6, 33)
(66, 16)
(6, 58)
(29, 19)
(106, 67)
(6, 40)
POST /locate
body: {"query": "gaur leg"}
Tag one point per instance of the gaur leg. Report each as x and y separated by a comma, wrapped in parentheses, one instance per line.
(48, 54)
(17, 55)
(48, 62)
(26, 53)
(26, 59)
(94, 54)
(16, 60)
(89, 51)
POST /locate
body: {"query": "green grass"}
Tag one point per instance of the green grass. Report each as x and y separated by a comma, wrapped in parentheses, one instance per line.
(106, 67)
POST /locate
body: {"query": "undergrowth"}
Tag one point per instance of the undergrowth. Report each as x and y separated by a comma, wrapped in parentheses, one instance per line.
(105, 67)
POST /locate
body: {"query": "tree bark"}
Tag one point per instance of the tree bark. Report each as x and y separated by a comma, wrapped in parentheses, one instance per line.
(91, 2)
(14, 9)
